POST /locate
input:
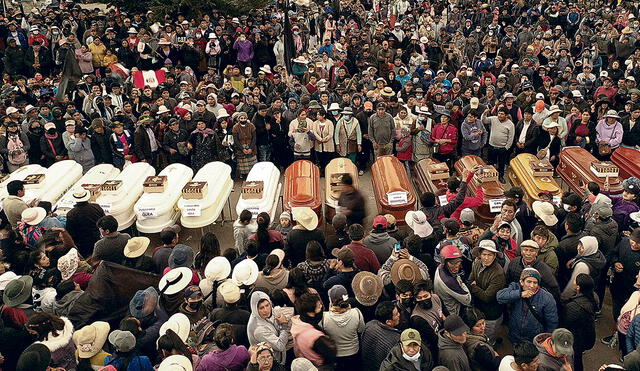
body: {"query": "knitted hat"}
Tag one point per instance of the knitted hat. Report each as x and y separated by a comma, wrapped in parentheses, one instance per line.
(530, 272)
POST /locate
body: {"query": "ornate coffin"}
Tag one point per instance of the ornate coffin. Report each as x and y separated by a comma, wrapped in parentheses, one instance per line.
(533, 176)
(628, 161)
(393, 191)
(155, 184)
(431, 176)
(333, 177)
(578, 167)
(486, 177)
(302, 187)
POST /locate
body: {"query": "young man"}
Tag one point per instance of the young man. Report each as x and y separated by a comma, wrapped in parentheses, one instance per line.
(524, 358)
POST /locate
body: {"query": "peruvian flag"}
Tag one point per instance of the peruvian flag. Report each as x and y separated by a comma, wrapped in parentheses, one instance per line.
(148, 78)
(119, 69)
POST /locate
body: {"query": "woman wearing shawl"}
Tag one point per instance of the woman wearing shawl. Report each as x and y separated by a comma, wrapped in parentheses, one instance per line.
(205, 146)
(264, 326)
(52, 146)
(244, 141)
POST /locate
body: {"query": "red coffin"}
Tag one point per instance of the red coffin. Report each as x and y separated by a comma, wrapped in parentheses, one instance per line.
(492, 189)
(575, 169)
(628, 160)
(302, 187)
(393, 191)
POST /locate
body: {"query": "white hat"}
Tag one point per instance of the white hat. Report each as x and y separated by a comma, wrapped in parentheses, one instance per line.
(81, 195)
(217, 269)
(424, 40)
(612, 114)
(132, 30)
(7, 277)
(175, 280)
(164, 42)
(11, 110)
(33, 215)
(554, 109)
(550, 124)
(90, 339)
(301, 59)
(49, 125)
(576, 93)
(631, 78)
(163, 109)
(68, 264)
(474, 102)
(539, 96)
(334, 107)
(30, 107)
(176, 362)
(266, 69)
(229, 291)
(417, 221)
(136, 246)
(488, 245)
(424, 110)
(245, 272)
(545, 211)
(305, 217)
(179, 323)
(34, 28)
(247, 70)
(222, 113)
(604, 74)
(212, 35)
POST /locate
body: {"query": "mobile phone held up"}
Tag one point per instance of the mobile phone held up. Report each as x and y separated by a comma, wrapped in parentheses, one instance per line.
(396, 247)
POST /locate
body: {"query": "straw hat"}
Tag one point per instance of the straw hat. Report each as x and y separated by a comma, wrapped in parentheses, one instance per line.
(175, 280)
(387, 92)
(306, 217)
(245, 272)
(81, 195)
(33, 215)
(136, 246)
(90, 339)
(405, 269)
(68, 264)
(554, 109)
(217, 269)
(179, 323)
(367, 288)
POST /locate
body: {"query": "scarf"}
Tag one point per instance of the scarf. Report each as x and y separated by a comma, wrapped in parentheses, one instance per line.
(205, 132)
(450, 280)
(50, 139)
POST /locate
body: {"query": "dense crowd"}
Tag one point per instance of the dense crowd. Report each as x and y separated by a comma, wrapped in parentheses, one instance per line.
(359, 80)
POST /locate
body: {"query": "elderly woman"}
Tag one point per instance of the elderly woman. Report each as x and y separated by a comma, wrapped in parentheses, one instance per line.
(244, 142)
(608, 135)
(554, 118)
(265, 326)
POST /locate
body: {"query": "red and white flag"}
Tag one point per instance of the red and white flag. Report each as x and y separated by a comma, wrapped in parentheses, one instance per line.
(120, 69)
(148, 78)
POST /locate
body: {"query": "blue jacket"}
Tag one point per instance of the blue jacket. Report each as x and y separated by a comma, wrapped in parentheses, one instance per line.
(522, 324)
(633, 334)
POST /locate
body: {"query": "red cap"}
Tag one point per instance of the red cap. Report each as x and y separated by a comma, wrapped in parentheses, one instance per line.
(450, 252)
(380, 221)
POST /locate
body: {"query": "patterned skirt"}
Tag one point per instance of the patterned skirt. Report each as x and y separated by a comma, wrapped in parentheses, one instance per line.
(245, 163)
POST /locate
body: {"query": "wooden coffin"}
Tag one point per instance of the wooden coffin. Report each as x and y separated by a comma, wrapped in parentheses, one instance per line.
(393, 191)
(431, 175)
(302, 187)
(575, 168)
(533, 176)
(332, 186)
(486, 177)
(628, 161)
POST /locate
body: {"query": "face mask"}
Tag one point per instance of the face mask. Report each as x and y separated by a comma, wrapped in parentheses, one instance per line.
(36, 32)
(566, 207)
(195, 305)
(425, 304)
(51, 131)
(469, 73)
(37, 130)
(347, 117)
(483, 58)
(335, 113)
(411, 359)
(406, 302)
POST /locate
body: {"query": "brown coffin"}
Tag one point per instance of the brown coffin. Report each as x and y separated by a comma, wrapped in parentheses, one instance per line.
(522, 175)
(332, 178)
(302, 187)
(492, 189)
(388, 176)
(575, 169)
(426, 177)
(628, 161)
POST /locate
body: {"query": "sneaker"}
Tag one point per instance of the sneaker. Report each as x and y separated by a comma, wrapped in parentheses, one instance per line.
(361, 173)
(607, 340)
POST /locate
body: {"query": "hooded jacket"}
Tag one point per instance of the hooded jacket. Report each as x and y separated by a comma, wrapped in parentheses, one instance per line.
(605, 230)
(396, 362)
(236, 357)
(62, 347)
(549, 360)
(305, 336)
(451, 354)
(381, 244)
(590, 262)
(267, 330)
(344, 329)
(276, 280)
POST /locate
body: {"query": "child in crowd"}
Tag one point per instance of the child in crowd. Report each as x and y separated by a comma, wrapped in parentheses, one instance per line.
(242, 229)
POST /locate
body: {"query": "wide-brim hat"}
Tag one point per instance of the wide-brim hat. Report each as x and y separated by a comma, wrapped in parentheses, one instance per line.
(301, 60)
(306, 217)
(222, 113)
(181, 256)
(217, 269)
(387, 92)
(136, 246)
(245, 272)
(132, 30)
(33, 215)
(164, 42)
(266, 69)
(90, 339)
(68, 264)
(612, 114)
(405, 269)
(417, 221)
(230, 291)
(550, 124)
(180, 324)
(367, 288)
(175, 280)
(163, 109)
(36, 357)
(554, 109)
(176, 362)
(17, 291)
(81, 195)
(5, 278)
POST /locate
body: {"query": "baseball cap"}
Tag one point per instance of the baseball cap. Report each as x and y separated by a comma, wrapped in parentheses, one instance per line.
(467, 216)
(380, 221)
(410, 336)
(344, 254)
(455, 325)
(562, 341)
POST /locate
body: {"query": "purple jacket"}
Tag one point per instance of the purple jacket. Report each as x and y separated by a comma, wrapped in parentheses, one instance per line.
(609, 133)
(236, 358)
(621, 211)
(244, 49)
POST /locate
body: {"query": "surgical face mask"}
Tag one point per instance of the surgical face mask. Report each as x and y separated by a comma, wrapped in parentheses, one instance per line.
(566, 207)
(336, 113)
(469, 73)
(425, 304)
(347, 117)
(413, 358)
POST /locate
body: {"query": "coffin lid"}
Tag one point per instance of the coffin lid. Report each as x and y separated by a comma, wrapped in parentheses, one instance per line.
(520, 166)
(302, 178)
(580, 159)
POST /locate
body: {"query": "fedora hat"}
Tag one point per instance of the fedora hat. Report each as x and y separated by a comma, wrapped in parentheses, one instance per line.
(347, 111)
(554, 109)
(405, 269)
(545, 211)
(306, 217)
(181, 256)
(17, 291)
(222, 113)
(367, 288)
(417, 221)
(90, 339)
(33, 215)
(175, 280)
(217, 269)
(176, 363)
(301, 59)
(136, 246)
(229, 291)
(68, 264)
(387, 92)
(162, 109)
(245, 272)
(266, 69)
(132, 30)
(81, 195)
(179, 323)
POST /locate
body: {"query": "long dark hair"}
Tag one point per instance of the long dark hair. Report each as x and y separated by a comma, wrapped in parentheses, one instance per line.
(586, 289)
(44, 324)
(170, 341)
(262, 234)
(298, 282)
(270, 264)
(209, 249)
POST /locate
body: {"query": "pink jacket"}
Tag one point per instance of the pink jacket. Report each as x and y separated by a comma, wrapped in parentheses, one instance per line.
(304, 336)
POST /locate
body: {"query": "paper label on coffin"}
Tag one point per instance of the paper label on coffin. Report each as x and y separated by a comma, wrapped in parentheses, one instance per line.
(192, 210)
(495, 204)
(397, 198)
(254, 210)
(604, 169)
(106, 208)
(147, 213)
(443, 200)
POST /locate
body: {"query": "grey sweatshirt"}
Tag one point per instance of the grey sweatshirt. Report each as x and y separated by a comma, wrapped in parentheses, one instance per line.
(502, 133)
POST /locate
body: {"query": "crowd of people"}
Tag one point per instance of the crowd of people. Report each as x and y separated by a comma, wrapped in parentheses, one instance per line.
(414, 80)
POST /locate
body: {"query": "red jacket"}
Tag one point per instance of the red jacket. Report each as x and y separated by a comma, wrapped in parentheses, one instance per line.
(405, 154)
(366, 259)
(450, 132)
(469, 202)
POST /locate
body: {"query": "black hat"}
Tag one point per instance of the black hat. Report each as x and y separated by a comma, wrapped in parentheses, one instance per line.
(455, 325)
(514, 192)
(36, 357)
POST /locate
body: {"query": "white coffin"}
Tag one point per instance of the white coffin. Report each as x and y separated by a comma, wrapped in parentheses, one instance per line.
(120, 203)
(58, 179)
(270, 175)
(197, 213)
(96, 175)
(20, 174)
(155, 211)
